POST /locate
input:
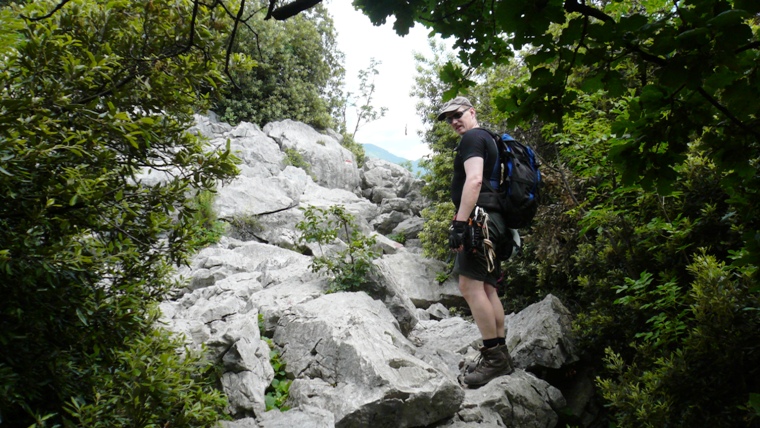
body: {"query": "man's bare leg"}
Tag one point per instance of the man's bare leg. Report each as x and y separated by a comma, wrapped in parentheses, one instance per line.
(498, 309)
(488, 313)
(481, 306)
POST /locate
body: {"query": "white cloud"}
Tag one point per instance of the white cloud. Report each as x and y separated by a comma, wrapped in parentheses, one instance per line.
(360, 41)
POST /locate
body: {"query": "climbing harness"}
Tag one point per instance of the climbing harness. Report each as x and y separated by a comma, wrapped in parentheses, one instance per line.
(480, 241)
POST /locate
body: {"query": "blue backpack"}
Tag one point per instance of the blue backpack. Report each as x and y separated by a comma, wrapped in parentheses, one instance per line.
(516, 191)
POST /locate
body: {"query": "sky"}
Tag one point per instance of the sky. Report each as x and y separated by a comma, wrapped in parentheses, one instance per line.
(360, 41)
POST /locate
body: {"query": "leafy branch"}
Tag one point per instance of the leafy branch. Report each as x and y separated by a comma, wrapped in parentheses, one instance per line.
(583, 9)
(366, 112)
(281, 13)
(347, 268)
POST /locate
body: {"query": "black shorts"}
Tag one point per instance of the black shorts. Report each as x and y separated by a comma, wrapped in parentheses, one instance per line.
(475, 265)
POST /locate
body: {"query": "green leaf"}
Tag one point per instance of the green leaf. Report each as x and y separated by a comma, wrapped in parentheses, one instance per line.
(270, 401)
(620, 151)
(592, 83)
(651, 95)
(572, 32)
(694, 38)
(632, 23)
(729, 18)
(540, 77)
(545, 56)
(602, 32)
(614, 84)
(663, 42)
(720, 78)
(506, 104)
(754, 403)
(81, 317)
(674, 74)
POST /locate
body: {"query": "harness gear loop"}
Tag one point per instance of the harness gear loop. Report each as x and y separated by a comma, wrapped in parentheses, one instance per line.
(481, 218)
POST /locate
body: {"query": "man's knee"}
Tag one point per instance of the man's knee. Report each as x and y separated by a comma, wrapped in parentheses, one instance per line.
(491, 290)
(469, 286)
(463, 280)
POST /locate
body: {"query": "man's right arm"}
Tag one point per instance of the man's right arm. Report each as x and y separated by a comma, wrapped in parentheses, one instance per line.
(473, 168)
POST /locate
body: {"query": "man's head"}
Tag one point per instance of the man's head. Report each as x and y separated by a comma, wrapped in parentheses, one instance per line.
(460, 114)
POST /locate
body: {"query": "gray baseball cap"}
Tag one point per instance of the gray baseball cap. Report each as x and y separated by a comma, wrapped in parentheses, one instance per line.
(453, 105)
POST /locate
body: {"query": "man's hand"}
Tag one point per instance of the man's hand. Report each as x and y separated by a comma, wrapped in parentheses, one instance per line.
(457, 235)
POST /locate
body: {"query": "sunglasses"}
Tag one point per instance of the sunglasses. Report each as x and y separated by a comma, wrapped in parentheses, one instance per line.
(455, 116)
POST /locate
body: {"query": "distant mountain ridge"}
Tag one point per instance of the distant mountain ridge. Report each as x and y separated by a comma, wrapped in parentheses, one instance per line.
(374, 151)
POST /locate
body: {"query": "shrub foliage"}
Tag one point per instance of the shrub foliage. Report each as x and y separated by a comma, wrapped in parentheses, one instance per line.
(94, 96)
(349, 266)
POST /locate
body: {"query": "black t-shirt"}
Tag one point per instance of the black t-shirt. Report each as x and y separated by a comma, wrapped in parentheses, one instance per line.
(475, 142)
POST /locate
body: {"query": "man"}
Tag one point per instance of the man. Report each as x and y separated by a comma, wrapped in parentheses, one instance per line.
(477, 152)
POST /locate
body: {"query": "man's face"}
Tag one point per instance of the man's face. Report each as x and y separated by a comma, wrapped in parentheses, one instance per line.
(462, 120)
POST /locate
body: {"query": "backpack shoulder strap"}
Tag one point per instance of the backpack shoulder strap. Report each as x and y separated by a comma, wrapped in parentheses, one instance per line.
(496, 137)
(498, 142)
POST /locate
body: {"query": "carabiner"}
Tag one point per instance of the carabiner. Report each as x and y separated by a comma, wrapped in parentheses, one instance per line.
(479, 214)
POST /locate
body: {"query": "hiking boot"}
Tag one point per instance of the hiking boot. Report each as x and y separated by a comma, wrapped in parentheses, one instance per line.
(466, 367)
(494, 362)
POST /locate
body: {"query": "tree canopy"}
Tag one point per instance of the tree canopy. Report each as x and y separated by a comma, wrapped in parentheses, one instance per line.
(293, 70)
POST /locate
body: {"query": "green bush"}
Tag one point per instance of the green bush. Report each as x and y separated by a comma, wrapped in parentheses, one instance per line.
(696, 356)
(294, 158)
(398, 237)
(207, 229)
(662, 309)
(278, 391)
(296, 74)
(93, 95)
(245, 227)
(435, 232)
(647, 228)
(348, 268)
(151, 384)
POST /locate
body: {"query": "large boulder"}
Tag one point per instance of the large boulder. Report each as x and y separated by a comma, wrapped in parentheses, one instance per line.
(333, 165)
(356, 360)
(392, 187)
(264, 202)
(232, 285)
(379, 174)
(348, 356)
(416, 276)
(208, 125)
(519, 400)
(265, 184)
(540, 336)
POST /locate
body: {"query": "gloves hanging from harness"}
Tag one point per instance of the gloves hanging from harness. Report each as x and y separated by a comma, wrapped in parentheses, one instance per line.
(457, 232)
(467, 234)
